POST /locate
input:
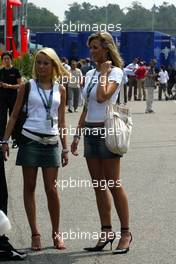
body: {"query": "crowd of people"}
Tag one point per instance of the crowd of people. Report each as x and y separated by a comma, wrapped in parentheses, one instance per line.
(140, 80)
(143, 79)
(104, 79)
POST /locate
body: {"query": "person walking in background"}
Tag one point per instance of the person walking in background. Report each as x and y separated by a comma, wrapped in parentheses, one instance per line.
(39, 144)
(163, 78)
(132, 82)
(65, 80)
(74, 86)
(150, 83)
(10, 80)
(102, 84)
(140, 76)
(171, 81)
(86, 66)
(65, 63)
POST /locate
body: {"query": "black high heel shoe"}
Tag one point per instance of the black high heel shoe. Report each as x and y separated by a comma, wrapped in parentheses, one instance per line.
(100, 247)
(118, 250)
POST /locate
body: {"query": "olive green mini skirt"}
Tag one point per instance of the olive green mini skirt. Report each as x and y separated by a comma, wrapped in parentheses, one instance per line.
(34, 154)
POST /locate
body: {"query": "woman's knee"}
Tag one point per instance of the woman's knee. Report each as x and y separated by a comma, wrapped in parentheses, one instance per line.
(29, 188)
(51, 191)
(116, 190)
(30, 179)
(29, 185)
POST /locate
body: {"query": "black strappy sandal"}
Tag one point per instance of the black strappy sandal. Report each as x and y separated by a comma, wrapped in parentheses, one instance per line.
(119, 250)
(110, 240)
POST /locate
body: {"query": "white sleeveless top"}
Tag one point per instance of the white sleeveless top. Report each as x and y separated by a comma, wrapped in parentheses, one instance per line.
(37, 115)
(96, 111)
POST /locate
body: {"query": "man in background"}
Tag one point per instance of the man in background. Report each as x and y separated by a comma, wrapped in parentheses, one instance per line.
(150, 84)
(10, 80)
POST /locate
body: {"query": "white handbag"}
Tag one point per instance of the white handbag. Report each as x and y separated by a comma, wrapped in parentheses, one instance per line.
(118, 125)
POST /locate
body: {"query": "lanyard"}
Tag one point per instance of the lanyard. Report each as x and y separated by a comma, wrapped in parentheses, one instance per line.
(47, 103)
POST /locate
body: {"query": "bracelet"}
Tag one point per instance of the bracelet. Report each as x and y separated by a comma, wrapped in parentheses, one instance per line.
(4, 142)
(76, 136)
(65, 151)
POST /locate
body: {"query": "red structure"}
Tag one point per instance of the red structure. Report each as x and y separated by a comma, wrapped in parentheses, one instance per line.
(13, 25)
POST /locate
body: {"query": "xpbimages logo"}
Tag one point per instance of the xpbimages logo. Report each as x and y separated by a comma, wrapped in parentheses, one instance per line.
(74, 27)
(86, 235)
(85, 183)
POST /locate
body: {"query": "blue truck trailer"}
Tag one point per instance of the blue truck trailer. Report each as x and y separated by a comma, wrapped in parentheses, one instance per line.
(132, 44)
(145, 45)
(66, 45)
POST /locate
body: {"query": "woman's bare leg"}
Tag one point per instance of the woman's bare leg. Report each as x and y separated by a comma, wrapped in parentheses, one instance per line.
(29, 178)
(103, 196)
(112, 172)
(50, 177)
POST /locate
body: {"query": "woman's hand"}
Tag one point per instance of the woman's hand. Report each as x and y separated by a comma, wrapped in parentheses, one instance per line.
(64, 159)
(5, 151)
(74, 146)
(106, 67)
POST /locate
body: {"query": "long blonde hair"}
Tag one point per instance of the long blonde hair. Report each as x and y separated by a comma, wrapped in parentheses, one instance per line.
(107, 42)
(58, 69)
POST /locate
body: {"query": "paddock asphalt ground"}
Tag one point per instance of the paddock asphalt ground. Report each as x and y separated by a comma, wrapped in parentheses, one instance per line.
(148, 173)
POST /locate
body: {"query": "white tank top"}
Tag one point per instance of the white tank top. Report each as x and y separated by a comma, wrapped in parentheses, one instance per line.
(96, 111)
(37, 115)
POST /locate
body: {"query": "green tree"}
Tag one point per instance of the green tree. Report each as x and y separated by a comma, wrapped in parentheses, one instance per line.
(114, 14)
(87, 13)
(40, 19)
(74, 13)
(24, 63)
(137, 17)
(165, 18)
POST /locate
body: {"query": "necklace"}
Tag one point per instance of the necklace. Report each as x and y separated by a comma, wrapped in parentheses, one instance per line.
(44, 88)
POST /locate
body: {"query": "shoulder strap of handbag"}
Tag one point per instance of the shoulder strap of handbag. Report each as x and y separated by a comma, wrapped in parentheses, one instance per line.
(26, 96)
